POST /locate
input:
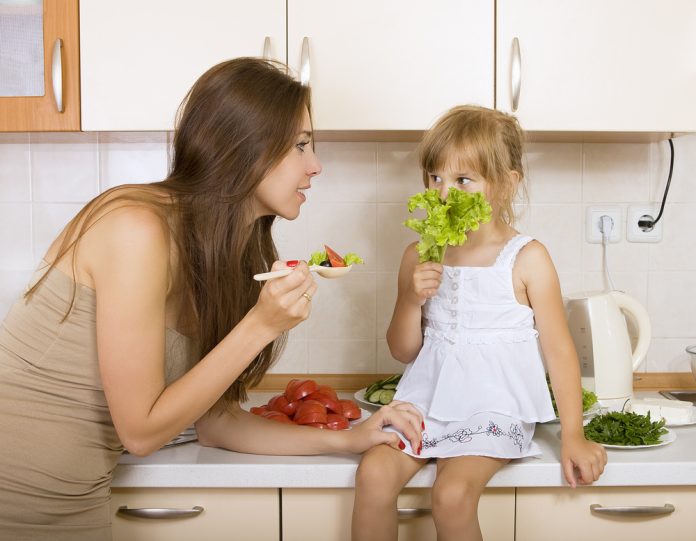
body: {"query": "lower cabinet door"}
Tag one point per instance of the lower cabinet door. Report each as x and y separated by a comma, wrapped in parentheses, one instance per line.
(326, 514)
(635, 514)
(200, 514)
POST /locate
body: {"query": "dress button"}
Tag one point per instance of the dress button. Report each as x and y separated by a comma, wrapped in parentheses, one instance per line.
(455, 286)
(456, 272)
(454, 313)
(453, 326)
(455, 300)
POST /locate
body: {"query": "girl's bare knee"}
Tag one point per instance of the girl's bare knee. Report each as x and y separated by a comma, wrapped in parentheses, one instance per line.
(455, 500)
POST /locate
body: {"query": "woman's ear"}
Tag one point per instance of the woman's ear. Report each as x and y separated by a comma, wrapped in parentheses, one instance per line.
(514, 178)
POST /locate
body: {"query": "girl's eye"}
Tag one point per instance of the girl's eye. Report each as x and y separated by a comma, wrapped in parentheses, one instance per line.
(463, 181)
(435, 179)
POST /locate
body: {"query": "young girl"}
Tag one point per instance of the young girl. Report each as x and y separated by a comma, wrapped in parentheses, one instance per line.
(467, 329)
(145, 317)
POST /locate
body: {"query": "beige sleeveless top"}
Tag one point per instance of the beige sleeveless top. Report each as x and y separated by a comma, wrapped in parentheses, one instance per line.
(59, 445)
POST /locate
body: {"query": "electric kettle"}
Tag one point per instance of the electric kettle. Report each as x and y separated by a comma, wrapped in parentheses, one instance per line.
(600, 333)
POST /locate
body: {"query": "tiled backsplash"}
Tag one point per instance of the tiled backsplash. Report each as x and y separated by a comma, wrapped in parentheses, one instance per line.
(358, 204)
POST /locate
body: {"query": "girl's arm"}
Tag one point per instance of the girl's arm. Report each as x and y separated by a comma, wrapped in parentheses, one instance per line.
(127, 256)
(544, 293)
(417, 283)
(238, 430)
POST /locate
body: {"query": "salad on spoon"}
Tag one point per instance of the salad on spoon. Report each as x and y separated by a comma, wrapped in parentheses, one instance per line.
(327, 264)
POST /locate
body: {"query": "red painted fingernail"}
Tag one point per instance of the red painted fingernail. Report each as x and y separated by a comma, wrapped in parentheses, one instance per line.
(420, 448)
(402, 445)
(292, 263)
(423, 425)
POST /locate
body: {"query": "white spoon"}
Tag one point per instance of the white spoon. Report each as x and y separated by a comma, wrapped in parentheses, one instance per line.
(324, 272)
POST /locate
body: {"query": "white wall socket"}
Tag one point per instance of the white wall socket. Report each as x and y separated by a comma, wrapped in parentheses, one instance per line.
(593, 233)
(635, 233)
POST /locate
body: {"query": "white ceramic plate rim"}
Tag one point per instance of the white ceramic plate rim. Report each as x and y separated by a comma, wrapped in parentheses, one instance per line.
(359, 397)
(665, 439)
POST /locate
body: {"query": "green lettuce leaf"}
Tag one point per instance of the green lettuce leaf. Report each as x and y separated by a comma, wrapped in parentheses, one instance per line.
(317, 258)
(446, 222)
(351, 258)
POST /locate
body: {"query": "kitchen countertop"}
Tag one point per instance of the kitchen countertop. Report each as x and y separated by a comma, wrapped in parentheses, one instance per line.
(192, 465)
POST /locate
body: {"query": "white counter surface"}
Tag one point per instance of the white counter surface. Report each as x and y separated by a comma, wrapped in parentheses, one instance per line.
(191, 465)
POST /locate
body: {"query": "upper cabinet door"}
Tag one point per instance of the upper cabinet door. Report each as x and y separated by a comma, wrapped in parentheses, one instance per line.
(140, 58)
(392, 64)
(39, 65)
(594, 65)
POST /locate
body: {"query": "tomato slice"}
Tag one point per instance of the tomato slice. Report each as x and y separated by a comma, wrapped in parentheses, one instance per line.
(328, 402)
(311, 417)
(298, 389)
(350, 409)
(283, 405)
(335, 259)
(258, 410)
(335, 421)
(327, 390)
(277, 416)
(317, 425)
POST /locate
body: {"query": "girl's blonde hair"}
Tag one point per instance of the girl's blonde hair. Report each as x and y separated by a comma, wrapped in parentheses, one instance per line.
(486, 140)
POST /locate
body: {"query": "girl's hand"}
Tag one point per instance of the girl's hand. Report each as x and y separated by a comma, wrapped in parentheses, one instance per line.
(401, 415)
(426, 281)
(582, 461)
(285, 302)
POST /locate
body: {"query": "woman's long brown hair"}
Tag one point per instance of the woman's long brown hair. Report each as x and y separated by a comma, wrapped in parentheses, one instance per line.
(237, 122)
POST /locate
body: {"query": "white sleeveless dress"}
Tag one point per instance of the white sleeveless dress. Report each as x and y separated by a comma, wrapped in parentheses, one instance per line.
(479, 379)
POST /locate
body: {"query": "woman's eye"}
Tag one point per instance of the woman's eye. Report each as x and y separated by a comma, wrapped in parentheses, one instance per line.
(300, 146)
(463, 181)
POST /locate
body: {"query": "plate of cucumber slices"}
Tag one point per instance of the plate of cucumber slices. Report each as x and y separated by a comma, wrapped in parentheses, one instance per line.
(379, 393)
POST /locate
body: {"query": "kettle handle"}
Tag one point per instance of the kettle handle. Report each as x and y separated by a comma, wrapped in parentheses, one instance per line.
(640, 316)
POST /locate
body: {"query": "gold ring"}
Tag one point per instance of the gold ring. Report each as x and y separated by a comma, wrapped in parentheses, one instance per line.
(307, 296)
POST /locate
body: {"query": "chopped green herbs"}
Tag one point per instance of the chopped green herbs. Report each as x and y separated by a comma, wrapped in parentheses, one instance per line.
(625, 428)
(446, 222)
(589, 399)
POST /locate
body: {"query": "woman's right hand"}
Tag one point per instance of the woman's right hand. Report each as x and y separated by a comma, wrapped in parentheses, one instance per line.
(285, 302)
(403, 416)
(426, 281)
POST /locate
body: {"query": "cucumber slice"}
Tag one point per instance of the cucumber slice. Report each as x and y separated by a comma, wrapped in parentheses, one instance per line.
(386, 396)
(389, 386)
(376, 397)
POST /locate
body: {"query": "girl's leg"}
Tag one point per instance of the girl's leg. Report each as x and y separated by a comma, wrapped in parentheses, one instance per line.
(456, 492)
(382, 473)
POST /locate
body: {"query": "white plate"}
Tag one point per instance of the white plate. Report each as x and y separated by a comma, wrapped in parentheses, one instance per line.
(364, 414)
(359, 397)
(593, 410)
(665, 439)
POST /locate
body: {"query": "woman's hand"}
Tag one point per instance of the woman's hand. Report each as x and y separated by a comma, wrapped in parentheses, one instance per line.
(285, 302)
(582, 461)
(403, 416)
(426, 281)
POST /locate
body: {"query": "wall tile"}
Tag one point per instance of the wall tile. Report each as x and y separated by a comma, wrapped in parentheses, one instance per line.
(132, 158)
(342, 356)
(554, 172)
(64, 167)
(558, 228)
(683, 185)
(671, 300)
(616, 173)
(398, 172)
(392, 235)
(387, 287)
(12, 285)
(349, 173)
(669, 355)
(295, 357)
(49, 219)
(15, 172)
(677, 250)
(15, 236)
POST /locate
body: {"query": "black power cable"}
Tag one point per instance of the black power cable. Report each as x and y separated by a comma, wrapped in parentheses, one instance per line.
(646, 222)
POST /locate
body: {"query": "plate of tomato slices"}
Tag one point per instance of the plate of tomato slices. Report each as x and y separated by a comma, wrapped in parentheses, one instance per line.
(305, 402)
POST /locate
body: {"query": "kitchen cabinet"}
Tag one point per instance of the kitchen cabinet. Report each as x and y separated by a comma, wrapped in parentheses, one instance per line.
(227, 514)
(39, 66)
(545, 514)
(592, 65)
(139, 59)
(306, 512)
(393, 64)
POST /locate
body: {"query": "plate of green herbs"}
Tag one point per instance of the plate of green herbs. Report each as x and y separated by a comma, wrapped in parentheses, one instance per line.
(628, 430)
(590, 405)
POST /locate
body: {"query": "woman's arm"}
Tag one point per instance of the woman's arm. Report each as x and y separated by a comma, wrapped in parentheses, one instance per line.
(544, 293)
(417, 283)
(127, 256)
(239, 430)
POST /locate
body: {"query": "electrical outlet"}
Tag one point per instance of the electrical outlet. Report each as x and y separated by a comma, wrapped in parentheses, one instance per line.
(593, 233)
(634, 233)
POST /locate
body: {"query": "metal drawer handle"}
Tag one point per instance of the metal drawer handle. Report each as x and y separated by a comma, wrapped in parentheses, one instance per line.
(410, 512)
(304, 63)
(267, 48)
(159, 513)
(57, 74)
(634, 510)
(515, 73)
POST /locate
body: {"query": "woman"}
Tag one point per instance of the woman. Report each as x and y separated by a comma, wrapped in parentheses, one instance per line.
(145, 317)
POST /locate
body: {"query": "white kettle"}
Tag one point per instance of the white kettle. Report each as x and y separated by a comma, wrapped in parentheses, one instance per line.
(598, 327)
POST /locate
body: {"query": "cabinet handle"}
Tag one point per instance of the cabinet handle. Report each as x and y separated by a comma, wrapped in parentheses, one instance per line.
(634, 510)
(410, 512)
(515, 73)
(159, 513)
(304, 62)
(57, 74)
(267, 48)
